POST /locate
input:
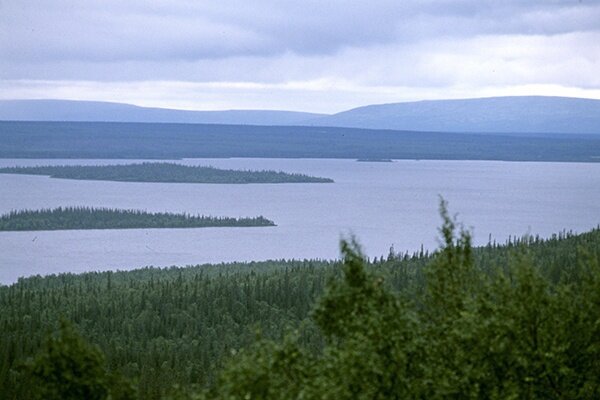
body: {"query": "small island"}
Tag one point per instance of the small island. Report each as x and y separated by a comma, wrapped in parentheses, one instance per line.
(374, 160)
(71, 218)
(163, 172)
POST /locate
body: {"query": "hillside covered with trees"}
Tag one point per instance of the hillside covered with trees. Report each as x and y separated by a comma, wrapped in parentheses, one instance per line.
(163, 172)
(519, 320)
(62, 218)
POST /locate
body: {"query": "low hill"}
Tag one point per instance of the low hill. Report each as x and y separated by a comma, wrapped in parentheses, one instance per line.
(514, 115)
(68, 110)
(519, 114)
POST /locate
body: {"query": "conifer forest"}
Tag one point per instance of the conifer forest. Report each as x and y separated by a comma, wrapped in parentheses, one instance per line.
(162, 172)
(512, 320)
(62, 218)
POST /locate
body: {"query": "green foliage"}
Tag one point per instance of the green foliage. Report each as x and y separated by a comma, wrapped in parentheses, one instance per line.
(470, 335)
(160, 326)
(69, 368)
(163, 172)
(450, 274)
(267, 370)
(359, 360)
(372, 337)
(106, 218)
(519, 320)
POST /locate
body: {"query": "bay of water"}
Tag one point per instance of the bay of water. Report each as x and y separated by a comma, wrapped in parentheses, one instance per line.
(383, 204)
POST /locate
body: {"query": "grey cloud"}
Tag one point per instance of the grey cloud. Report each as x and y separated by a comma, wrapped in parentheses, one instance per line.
(303, 55)
(109, 31)
(570, 59)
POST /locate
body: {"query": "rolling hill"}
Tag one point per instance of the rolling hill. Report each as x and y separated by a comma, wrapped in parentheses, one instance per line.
(95, 111)
(512, 115)
(521, 114)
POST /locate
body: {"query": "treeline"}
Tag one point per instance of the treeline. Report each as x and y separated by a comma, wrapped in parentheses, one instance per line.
(62, 218)
(520, 320)
(163, 172)
(511, 333)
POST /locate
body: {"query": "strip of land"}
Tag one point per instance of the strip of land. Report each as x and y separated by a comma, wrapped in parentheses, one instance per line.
(163, 172)
(95, 140)
(70, 218)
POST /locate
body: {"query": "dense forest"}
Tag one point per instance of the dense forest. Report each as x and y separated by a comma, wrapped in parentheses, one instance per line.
(107, 218)
(163, 172)
(170, 141)
(518, 320)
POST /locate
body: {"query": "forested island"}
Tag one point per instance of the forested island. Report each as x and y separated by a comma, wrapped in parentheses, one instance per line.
(385, 160)
(163, 172)
(63, 218)
(518, 320)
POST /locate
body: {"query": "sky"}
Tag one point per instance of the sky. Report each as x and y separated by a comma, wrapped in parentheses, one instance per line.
(305, 55)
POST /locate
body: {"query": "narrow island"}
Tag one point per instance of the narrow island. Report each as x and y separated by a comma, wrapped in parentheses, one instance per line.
(163, 172)
(374, 160)
(71, 218)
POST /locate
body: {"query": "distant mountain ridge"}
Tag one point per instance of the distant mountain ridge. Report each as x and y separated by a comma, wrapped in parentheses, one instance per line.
(98, 111)
(516, 114)
(512, 114)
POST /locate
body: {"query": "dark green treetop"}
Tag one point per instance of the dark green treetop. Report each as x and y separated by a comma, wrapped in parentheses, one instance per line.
(67, 367)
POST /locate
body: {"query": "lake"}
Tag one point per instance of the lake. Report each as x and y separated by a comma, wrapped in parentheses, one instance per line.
(383, 204)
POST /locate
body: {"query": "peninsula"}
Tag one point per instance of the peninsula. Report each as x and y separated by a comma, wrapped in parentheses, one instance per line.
(163, 172)
(71, 218)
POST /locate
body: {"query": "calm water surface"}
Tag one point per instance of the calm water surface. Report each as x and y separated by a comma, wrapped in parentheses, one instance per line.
(383, 204)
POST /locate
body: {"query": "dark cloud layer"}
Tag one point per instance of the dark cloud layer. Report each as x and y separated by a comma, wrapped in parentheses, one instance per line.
(109, 31)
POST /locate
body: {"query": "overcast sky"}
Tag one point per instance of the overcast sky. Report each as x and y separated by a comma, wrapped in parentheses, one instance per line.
(305, 55)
